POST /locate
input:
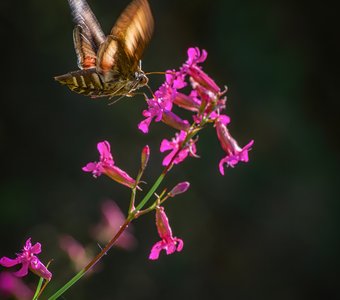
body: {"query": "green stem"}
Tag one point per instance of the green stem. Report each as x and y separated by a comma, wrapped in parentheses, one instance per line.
(149, 194)
(37, 291)
(63, 289)
(79, 275)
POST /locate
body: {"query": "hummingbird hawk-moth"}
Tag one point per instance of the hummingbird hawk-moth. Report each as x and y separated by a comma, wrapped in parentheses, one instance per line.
(109, 65)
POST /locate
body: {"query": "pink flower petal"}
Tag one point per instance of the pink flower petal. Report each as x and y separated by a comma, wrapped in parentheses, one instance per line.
(180, 244)
(170, 247)
(104, 148)
(36, 249)
(165, 145)
(23, 270)
(155, 251)
(90, 167)
(167, 159)
(221, 165)
(143, 126)
(8, 262)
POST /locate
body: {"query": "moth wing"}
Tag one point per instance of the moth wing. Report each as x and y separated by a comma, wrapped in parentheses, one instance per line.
(84, 47)
(123, 48)
(83, 16)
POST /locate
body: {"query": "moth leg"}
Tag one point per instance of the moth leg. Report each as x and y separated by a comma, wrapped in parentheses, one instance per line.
(138, 93)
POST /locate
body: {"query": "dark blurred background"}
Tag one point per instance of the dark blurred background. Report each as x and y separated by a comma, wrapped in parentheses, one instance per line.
(268, 229)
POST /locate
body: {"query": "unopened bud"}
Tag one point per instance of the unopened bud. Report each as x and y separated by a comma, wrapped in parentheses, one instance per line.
(179, 189)
(145, 157)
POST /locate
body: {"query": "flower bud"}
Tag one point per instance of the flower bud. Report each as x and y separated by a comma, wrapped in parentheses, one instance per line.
(145, 157)
(179, 188)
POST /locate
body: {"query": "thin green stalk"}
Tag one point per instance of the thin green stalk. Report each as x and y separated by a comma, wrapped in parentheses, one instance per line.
(150, 193)
(80, 274)
(37, 291)
(63, 289)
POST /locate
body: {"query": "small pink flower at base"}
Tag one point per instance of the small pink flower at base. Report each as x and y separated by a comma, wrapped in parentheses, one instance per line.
(28, 260)
(168, 243)
(174, 145)
(106, 166)
(11, 285)
(230, 146)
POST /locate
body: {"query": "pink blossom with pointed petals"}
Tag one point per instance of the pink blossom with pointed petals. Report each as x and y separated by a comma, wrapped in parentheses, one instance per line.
(234, 152)
(168, 243)
(174, 145)
(28, 261)
(191, 68)
(106, 166)
(159, 107)
(195, 56)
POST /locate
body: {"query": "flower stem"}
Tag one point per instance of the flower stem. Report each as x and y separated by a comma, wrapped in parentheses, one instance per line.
(149, 194)
(80, 274)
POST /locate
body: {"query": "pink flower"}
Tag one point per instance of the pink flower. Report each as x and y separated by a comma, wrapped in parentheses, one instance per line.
(28, 260)
(234, 152)
(195, 56)
(11, 285)
(159, 108)
(192, 69)
(76, 251)
(106, 166)
(112, 219)
(169, 243)
(174, 145)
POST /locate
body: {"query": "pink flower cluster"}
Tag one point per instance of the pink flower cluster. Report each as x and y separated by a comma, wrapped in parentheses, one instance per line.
(29, 261)
(205, 99)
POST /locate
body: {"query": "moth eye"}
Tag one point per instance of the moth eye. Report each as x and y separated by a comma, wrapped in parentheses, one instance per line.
(143, 79)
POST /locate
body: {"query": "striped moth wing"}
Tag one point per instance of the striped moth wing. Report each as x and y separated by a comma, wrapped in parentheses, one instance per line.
(109, 65)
